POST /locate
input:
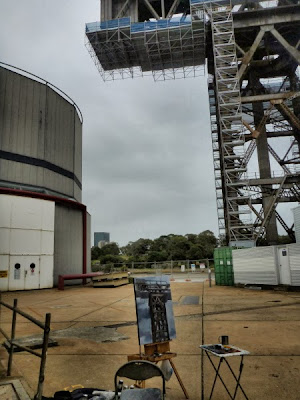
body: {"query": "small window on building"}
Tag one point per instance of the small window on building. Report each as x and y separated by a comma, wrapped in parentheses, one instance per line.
(284, 252)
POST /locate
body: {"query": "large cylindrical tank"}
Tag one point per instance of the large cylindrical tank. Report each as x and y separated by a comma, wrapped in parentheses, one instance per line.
(40, 137)
(44, 228)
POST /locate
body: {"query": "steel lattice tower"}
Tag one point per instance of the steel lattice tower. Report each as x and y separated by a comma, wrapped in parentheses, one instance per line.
(251, 50)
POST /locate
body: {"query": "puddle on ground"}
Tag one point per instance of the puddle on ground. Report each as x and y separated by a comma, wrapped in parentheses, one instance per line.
(62, 306)
(99, 334)
(189, 300)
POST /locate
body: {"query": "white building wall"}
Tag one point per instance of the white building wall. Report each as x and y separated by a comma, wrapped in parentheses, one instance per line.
(296, 212)
(264, 265)
(255, 266)
(294, 260)
(26, 243)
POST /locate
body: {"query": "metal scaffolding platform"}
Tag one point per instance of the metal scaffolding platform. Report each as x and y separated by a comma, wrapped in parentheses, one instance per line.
(251, 52)
(169, 49)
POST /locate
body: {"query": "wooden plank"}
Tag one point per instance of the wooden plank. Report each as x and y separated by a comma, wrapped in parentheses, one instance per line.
(110, 276)
(111, 283)
(166, 356)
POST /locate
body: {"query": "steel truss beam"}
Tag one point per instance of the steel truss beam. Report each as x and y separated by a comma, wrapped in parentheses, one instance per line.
(283, 123)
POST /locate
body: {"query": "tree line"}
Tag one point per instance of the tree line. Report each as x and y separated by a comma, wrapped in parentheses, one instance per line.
(167, 247)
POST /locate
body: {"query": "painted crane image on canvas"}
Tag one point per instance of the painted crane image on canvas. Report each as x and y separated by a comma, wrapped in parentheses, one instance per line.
(154, 309)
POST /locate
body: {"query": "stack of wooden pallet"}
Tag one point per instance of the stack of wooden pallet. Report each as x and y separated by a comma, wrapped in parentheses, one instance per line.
(111, 279)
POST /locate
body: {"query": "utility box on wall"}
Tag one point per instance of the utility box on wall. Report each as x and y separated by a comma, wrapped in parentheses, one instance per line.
(268, 265)
(26, 243)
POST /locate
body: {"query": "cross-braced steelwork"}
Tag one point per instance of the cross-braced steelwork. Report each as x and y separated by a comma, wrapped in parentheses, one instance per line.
(251, 50)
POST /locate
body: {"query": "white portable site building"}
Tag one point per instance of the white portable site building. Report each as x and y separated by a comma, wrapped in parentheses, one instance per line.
(296, 212)
(268, 265)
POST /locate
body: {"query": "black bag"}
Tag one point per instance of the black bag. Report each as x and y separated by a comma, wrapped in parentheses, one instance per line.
(62, 395)
(76, 394)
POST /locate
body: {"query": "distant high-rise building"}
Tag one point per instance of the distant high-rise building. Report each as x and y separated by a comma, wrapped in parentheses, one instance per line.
(101, 237)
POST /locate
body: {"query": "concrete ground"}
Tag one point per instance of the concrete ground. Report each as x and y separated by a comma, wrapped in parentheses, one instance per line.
(266, 323)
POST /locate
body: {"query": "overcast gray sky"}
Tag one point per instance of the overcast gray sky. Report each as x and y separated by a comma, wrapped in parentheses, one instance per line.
(147, 158)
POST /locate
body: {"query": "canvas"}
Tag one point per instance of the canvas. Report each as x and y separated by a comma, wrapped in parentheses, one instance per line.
(154, 309)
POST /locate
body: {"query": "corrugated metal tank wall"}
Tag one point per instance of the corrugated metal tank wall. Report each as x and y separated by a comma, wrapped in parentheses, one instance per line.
(68, 236)
(40, 137)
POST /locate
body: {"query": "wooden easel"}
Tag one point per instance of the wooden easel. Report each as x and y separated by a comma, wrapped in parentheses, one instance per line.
(156, 352)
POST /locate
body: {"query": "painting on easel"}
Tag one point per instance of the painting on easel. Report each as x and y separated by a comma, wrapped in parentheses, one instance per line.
(154, 309)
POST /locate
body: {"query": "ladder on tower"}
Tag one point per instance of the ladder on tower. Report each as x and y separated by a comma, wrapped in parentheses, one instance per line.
(231, 130)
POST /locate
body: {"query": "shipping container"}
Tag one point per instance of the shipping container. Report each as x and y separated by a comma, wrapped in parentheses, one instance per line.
(223, 266)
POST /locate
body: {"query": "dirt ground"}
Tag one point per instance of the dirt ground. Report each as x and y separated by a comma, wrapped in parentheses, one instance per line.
(266, 323)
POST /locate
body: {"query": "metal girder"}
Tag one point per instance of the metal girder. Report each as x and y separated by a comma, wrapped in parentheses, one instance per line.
(290, 49)
(278, 159)
(294, 178)
(294, 120)
(163, 10)
(151, 9)
(248, 56)
(261, 225)
(173, 8)
(288, 230)
(120, 13)
(268, 97)
(257, 18)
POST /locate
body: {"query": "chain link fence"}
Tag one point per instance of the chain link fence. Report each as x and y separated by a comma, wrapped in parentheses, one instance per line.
(172, 267)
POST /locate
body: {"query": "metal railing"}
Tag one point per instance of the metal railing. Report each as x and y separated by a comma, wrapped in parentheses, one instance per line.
(13, 343)
(170, 267)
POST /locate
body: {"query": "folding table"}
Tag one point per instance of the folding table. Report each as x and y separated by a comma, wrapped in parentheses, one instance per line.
(224, 353)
